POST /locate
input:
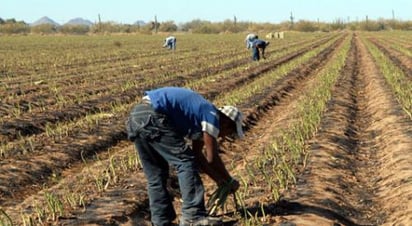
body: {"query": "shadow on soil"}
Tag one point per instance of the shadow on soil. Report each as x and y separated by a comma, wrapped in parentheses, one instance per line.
(284, 208)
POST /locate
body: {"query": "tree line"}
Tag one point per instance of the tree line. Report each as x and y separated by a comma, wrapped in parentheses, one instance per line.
(11, 26)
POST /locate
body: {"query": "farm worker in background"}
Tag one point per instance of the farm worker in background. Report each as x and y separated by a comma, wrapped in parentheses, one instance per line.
(158, 126)
(258, 46)
(249, 40)
(170, 42)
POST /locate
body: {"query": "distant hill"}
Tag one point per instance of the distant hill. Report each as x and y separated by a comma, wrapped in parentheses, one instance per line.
(74, 21)
(140, 23)
(79, 21)
(44, 20)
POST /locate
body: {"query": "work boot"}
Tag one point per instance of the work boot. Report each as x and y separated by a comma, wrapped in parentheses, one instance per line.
(203, 221)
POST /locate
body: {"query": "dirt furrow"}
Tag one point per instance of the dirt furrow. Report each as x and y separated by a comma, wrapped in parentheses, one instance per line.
(402, 61)
(351, 178)
(100, 211)
(24, 125)
(390, 136)
(328, 190)
(294, 79)
(63, 154)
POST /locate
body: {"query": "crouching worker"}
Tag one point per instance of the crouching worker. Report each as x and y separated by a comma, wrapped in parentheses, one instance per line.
(158, 126)
(249, 40)
(170, 42)
(258, 46)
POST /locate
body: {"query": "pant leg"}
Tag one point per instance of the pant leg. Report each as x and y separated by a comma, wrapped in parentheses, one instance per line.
(156, 170)
(255, 53)
(173, 147)
(158, 135)
(155, 167)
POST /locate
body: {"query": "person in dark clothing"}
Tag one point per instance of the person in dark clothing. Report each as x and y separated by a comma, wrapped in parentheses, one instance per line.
(158, 127)
(258, 46)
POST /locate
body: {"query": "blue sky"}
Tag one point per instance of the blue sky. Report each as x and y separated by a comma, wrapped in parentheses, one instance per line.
(180, 11)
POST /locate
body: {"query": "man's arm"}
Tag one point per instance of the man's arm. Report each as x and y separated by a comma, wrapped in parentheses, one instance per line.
(210, 162)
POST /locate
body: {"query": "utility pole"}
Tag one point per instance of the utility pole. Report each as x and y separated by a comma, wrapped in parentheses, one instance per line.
(155, 24)
(234, 20)
(100, 23)
(291, 20)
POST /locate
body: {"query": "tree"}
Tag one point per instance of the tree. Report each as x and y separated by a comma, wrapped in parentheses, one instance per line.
(338, 24)
(11, 21)
(192, 24)
(14, 28)
(168, 26)
(44, 29)
(74, 29)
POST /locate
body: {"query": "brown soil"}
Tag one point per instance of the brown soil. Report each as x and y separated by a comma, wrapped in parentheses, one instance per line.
(358, 171)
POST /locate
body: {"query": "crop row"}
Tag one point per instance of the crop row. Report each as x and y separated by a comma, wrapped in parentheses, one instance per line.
(105, 132)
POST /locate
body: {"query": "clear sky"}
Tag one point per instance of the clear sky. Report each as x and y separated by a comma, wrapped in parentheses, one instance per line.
(180, 11)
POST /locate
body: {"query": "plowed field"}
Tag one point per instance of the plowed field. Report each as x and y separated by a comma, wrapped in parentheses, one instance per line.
(328, 125)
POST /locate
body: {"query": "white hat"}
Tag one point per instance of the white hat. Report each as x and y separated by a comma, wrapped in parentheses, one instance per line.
(234, 114)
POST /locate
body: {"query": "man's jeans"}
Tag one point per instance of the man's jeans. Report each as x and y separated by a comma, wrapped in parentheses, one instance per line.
(255, 54)
(159, 145)
(171, 44)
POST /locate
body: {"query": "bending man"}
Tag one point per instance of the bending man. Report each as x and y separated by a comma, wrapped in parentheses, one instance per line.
(158, 126)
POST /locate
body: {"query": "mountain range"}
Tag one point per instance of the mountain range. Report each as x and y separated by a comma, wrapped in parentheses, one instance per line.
(79, 21)
(75, 21)
(44, 20)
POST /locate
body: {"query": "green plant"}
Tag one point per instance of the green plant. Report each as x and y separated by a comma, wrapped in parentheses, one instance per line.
(54, 205)
(5, 219)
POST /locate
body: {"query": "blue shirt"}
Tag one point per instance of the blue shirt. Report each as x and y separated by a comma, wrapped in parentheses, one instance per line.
(190, 112)
(259, 42)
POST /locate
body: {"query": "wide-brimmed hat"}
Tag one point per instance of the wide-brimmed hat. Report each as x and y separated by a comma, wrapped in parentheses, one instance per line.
(234, 114)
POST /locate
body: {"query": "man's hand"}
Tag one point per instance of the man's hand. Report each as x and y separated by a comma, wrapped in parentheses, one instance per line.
(231, 184)
(219, 196)
(234, 186)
